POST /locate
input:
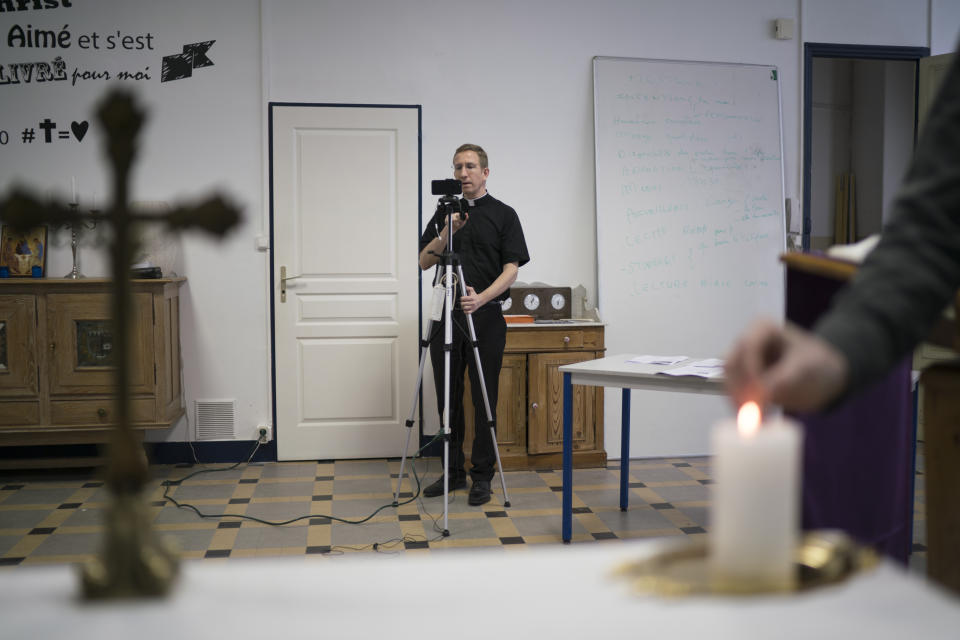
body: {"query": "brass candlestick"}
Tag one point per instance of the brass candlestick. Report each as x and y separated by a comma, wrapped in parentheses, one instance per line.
(133, 561)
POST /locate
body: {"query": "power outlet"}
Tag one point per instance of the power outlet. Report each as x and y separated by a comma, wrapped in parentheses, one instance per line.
(263, 433)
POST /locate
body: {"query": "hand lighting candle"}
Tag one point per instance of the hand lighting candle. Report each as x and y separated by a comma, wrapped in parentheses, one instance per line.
(755, 513)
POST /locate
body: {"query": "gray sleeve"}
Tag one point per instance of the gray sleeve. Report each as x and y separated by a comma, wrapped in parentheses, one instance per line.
(913, 273)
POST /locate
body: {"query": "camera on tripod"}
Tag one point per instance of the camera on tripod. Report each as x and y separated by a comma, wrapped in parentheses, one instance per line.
(448, 190)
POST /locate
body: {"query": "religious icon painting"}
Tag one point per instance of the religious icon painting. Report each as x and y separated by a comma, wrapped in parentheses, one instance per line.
(95, 343)
(23, 254)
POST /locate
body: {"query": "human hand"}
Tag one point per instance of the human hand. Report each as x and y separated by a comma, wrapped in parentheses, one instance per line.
(458, 220)
(471, 302)
(784, 365)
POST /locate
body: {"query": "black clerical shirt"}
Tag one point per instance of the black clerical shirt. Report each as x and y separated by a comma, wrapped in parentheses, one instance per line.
(491, 238)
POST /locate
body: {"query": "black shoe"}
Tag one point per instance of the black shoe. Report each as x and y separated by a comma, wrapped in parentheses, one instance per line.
(479, 493)
(436, 489)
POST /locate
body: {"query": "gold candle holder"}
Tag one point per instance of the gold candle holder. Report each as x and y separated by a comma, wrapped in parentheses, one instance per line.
(821, 558)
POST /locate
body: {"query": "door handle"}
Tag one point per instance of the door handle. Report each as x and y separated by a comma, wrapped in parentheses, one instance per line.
(283, 283)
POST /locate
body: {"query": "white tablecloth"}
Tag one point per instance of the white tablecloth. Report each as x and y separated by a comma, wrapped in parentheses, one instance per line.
(555, 592)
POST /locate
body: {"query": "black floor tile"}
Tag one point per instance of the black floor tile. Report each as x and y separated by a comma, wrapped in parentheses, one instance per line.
(604, 535)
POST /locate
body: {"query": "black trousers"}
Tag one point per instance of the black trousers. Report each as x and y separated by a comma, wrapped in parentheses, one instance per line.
(491, 338)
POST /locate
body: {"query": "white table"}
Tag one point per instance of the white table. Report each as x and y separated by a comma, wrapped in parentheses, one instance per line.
(550, 591)
(615, 371)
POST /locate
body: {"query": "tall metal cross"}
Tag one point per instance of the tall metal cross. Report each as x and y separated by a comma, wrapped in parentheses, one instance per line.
(133, 560)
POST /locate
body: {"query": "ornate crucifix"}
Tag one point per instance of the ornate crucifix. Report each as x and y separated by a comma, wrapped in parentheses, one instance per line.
(133, 560)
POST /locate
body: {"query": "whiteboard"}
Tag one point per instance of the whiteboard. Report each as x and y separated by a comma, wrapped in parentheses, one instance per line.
(690, 225)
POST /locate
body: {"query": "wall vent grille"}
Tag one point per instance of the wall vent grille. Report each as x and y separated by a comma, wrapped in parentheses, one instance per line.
(215, 419)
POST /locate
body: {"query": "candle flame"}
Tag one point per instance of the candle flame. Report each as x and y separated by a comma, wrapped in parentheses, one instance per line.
(748, 419)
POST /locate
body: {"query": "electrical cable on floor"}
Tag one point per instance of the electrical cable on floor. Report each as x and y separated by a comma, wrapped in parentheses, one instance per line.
(376, 546)
(183, 505)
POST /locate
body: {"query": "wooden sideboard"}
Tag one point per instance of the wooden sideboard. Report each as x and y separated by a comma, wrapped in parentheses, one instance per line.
(530, 401)
(56, 359)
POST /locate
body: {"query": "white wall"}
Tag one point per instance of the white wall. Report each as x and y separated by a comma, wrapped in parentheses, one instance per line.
(901, 23)
(514, 76)
(944, 23)
(203, 132)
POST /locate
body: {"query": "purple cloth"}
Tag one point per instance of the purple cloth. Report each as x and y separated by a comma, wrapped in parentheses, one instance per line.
(858, 461)
(858, 466)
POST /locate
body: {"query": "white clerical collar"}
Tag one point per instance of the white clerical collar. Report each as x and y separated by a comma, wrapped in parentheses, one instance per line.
(473, 202)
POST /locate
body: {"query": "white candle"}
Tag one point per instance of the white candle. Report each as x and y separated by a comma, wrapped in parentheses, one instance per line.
(755, 513)
(73, 189)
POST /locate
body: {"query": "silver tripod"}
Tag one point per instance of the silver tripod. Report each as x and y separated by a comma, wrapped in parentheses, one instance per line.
(445, 276)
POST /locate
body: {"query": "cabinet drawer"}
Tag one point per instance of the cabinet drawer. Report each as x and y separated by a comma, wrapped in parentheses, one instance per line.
(99, 411)
(18, 413)
(593, 338)
(555, 339)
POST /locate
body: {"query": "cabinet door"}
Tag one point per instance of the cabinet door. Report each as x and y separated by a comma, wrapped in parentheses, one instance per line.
(511, 408)
(81, 343)
(545, 413)
(167, 335)
(18, 345)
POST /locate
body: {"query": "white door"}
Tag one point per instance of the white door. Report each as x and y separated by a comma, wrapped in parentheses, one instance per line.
(345, 230)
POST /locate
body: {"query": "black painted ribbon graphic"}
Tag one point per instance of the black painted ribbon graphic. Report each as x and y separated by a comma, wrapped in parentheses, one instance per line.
(181, 65)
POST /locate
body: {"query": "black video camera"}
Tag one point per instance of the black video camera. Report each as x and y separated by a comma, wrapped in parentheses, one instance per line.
(448, 187)
(448, 190)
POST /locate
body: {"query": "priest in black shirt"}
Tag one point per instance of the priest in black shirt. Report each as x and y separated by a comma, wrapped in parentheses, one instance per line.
(489, 241)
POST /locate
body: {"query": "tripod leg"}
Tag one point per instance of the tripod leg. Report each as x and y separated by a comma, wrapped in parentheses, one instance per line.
(403, 459)
(483, 388)
(424, 350)
(447, 348)
(496, 452)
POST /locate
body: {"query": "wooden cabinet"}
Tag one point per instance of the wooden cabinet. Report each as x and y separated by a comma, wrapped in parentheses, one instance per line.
(942, 472)
(530, 400)
(56, 359)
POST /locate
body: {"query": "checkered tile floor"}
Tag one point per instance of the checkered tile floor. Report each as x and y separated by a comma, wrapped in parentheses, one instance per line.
(337, 507)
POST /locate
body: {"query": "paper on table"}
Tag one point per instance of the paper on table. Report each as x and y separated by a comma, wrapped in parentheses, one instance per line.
(657, 359)
(709, 368)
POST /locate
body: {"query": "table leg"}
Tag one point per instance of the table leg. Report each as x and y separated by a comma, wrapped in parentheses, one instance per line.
(624, 447)
(566, 508)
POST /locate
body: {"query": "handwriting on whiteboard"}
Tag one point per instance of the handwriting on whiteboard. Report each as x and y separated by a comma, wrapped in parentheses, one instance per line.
(693, 172)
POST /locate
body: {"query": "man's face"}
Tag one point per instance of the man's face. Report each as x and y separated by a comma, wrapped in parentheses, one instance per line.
(466, 169)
